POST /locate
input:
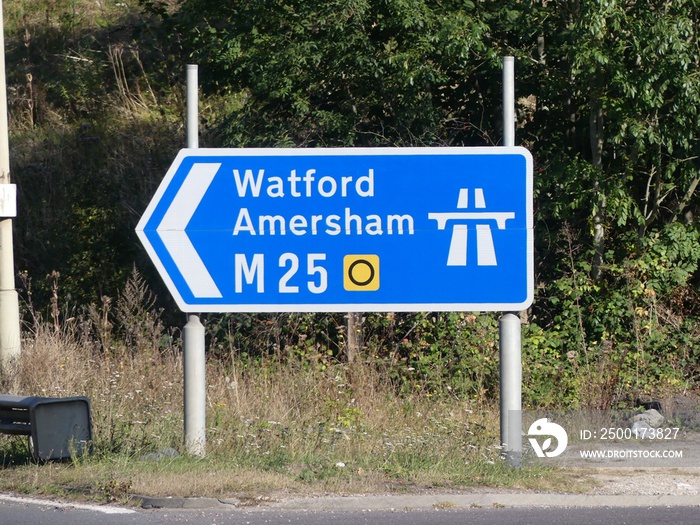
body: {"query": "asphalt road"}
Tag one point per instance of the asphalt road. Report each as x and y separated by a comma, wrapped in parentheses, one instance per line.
(27, 512)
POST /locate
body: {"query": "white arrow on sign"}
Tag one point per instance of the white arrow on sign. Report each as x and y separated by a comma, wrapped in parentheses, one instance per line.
(171, 230)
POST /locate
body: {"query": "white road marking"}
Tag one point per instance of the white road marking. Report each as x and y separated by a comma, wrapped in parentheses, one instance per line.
(105, 509)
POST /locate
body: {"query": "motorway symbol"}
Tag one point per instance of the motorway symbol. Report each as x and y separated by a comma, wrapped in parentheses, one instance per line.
(381, 229)
(486, 253)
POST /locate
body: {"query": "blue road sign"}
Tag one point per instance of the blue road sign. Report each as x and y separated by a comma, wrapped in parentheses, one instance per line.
(362, 229)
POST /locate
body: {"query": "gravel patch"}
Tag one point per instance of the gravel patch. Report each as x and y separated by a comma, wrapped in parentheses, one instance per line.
(648, 482)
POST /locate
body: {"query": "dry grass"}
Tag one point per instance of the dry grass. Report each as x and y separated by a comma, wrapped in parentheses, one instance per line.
(274, 425)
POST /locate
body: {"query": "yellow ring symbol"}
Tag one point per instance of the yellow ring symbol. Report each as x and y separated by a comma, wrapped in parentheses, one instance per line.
(361, 273)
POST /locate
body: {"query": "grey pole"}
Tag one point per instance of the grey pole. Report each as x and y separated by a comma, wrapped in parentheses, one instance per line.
(194, 360)
(10, 346)
(511, 388)
(509, 101)
(195, 387)
(510, 344)
(192, 120)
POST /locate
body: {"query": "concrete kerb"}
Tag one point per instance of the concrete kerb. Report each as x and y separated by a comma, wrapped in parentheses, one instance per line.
(428, 501)
(148, 502)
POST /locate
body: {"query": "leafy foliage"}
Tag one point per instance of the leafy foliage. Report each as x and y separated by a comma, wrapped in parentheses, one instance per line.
(364, 72)
(607, 102)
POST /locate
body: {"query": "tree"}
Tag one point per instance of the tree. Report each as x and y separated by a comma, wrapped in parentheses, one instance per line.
(361, 72)
(627, 75)
(614, 87)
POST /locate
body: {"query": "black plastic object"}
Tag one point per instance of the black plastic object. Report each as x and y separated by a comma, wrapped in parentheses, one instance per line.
(59, 428)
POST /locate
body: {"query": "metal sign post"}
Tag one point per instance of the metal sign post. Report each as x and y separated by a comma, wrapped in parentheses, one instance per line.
(510, 343)
(194, 356)
(10, 340)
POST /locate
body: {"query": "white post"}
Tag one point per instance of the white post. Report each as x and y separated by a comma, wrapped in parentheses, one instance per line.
(511, 375)
(195, 387)
(508, 101)
(10, 341)
(510, 343)
(192, 120)
(194, 359)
